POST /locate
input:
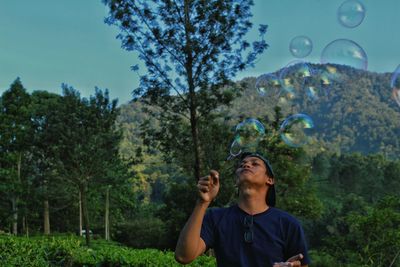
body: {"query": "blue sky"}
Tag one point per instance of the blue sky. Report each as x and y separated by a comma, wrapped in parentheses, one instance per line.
(49, 42)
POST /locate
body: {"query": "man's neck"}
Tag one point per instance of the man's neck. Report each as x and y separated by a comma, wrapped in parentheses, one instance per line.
(252, 202)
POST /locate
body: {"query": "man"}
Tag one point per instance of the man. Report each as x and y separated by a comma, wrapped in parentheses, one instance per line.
(251, 233)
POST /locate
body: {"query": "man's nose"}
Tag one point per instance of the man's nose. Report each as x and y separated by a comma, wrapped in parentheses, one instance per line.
(246, 166)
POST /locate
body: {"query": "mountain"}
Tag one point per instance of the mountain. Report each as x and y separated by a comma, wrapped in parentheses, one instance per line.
(352, 110)
(355, 111)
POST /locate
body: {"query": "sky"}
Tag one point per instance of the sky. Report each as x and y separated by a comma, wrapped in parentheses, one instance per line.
(50, 42)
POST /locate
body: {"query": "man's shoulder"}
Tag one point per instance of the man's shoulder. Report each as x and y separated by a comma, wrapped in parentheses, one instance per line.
(218, 213)
(222, 210)
(284, 216)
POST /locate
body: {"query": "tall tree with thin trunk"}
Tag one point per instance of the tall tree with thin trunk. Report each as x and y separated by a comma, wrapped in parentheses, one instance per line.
(15, 133)
(89, 142)
(192, 50)
(45, 150)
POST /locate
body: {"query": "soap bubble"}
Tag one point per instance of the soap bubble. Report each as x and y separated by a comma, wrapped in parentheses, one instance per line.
(297, 130)
(321, 82)
(293, 78)
(312, 93)
(345, 52)
(351, 13)
(300, 46)
(395, 85)
(235, 150)
(268, 85)
(249, 133)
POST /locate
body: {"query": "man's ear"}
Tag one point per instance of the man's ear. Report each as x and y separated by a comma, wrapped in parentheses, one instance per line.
(270, 181)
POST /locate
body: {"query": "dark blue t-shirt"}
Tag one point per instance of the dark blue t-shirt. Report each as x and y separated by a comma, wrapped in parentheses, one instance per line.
(277, 236)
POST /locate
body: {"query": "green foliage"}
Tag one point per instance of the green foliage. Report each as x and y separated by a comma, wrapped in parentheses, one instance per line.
(371, 177)
(322, 259)
(145, 232)
(179, 202)
(360, 219)
(68, 251)
(368, 237)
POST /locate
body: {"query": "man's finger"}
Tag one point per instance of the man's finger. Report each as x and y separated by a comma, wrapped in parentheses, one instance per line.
(295, 258)
(214, 176)
(203, 182)
(205, 178)
(204, 189)
(295, 263)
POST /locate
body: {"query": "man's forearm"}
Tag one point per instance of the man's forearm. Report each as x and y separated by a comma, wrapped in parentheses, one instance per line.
(187, 248)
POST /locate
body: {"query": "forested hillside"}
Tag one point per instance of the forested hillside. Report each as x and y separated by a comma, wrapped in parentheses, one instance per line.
(357, 114)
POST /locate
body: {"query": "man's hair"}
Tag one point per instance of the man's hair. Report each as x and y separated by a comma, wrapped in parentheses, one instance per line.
(268, 166)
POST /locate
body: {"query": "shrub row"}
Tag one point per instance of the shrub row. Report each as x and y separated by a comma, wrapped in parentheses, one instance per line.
(70, 252)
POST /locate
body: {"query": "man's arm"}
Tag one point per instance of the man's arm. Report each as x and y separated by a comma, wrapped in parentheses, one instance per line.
(190, 245)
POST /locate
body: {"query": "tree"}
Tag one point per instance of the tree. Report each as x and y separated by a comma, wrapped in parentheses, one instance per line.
(47, 127)
(15, 132)
(89, 142)
(192, 49)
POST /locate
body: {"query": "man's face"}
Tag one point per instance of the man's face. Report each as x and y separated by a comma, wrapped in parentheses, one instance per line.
(253, 170)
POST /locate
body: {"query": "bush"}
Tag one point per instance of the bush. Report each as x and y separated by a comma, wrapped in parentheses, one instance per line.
(69, 252)
(142, 233)
(322, 259)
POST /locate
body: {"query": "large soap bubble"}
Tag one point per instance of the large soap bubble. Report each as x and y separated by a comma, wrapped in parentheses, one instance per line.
(297, 130)
(293, 78)
(321, 82)
(248, 134)
(268, 85)
(351, 13)
(345, 52)
(300, 46)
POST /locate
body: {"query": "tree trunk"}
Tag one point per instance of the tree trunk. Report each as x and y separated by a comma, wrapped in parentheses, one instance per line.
(80, 213)
(25, 225)
(14, 200)
(83, 189)
(15, 215)
(46, 217)
(192, 94)
(107, 215)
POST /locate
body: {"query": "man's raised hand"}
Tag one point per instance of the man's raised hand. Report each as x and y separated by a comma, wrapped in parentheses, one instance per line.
(208, 186)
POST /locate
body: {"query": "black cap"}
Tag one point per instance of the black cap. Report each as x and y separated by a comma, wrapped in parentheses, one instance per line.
(271, 195)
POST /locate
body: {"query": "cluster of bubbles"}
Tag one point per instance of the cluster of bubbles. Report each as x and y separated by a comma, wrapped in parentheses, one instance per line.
(350, 14)
(298, 78)
(295, 131)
